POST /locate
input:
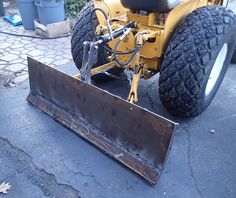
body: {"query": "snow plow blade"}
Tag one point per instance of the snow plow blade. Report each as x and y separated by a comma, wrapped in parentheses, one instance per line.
(134, 136)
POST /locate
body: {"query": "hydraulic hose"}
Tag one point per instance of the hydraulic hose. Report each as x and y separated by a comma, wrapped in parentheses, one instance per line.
(133, 52)
(36, 37)
(123, 64)
(115, 52)
(91, 19)
(119, 52)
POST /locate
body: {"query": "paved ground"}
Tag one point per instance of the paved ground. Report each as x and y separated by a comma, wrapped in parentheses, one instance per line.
(14, 51)
(41, 158)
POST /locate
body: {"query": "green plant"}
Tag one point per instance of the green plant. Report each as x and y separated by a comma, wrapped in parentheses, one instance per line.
(73, 7)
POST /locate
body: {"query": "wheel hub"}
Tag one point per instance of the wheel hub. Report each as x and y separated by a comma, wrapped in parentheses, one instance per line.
(216, 69)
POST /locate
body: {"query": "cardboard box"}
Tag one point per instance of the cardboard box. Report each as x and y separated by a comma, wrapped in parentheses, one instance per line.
(52, 30)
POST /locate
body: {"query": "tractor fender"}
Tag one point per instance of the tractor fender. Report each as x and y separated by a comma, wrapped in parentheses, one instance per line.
(176, 16)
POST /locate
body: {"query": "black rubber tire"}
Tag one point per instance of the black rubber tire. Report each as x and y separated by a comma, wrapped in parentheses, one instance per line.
(190, 57)
(82, 31)
(233, 60)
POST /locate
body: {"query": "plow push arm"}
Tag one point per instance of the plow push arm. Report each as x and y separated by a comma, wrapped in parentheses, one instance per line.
(90, 54)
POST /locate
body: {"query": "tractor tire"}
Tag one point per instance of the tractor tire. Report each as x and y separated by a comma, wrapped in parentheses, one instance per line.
(196, 60)
(82, 31)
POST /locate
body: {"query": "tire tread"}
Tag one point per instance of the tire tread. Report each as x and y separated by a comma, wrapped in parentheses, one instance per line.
(186, 61)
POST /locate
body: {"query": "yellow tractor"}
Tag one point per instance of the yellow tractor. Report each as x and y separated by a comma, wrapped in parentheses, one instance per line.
(189, 42)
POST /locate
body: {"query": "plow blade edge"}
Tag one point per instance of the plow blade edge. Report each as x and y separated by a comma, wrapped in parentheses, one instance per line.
(134, 136)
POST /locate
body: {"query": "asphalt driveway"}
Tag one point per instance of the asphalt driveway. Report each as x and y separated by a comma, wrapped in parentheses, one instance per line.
(40, 158)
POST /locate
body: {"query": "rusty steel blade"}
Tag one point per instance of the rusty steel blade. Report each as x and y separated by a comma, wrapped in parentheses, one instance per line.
(134, 136)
